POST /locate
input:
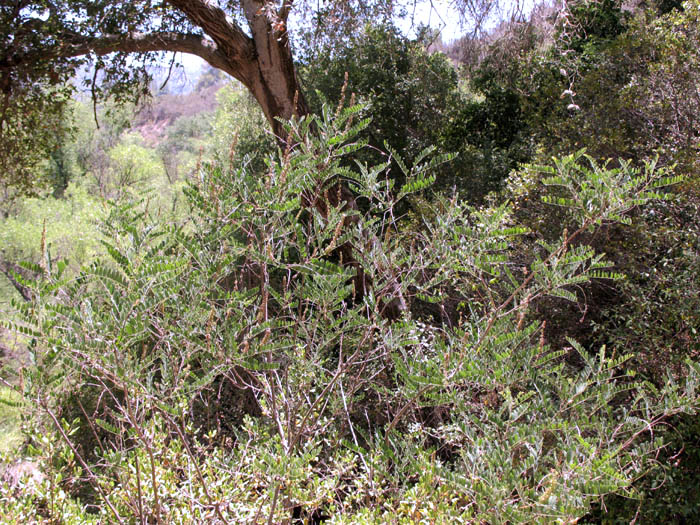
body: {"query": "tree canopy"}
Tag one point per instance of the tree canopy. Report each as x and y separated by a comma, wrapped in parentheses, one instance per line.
(46, 41)
(49, 40)
(43, 44)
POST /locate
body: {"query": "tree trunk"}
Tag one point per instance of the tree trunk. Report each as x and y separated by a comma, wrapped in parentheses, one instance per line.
(262, 62)
(273, 82)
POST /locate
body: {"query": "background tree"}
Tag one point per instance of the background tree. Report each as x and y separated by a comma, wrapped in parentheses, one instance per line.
(408, 92)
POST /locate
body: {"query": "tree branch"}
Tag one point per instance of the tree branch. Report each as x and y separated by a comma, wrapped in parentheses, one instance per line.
(285, 9)
(11, 270)
(230, 39)
(77, 45)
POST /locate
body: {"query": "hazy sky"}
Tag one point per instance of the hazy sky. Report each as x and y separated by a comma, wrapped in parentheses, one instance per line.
(436, 14)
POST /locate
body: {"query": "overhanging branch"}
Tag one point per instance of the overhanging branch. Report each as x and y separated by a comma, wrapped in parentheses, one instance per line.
(230, 39)
(75, 45)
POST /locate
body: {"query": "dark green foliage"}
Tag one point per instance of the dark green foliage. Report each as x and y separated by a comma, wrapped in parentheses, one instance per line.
(415, 102)
(61, 169)
(33, 123)
(669, 493)
(590, 23)
(620, 84)
(408, 91)
(622, 94)
(656, 315)
(490, 136)
(666, 6)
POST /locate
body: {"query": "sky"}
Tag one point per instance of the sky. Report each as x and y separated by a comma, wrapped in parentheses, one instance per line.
(436, 14)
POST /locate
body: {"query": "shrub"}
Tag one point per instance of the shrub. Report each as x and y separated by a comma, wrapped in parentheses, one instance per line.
(351, 415)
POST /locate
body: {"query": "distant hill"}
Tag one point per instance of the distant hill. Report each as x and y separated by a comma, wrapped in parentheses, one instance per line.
(161, 111)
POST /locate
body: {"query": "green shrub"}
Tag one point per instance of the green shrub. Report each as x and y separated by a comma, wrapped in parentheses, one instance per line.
(409, 92)
(241, 132)
(351, 415)
(68, 224)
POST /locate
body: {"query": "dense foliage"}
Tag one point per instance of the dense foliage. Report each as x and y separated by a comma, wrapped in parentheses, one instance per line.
(407, 91)
(235, 335)
(355, 326)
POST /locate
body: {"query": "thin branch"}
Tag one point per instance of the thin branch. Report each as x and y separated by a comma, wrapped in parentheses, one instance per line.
(216, 506)
(93, 91)
(92, 475)
(12, 271)
(284, 11)
(170, 71)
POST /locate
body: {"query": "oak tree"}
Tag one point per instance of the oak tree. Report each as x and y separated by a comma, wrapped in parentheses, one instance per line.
(46, 40)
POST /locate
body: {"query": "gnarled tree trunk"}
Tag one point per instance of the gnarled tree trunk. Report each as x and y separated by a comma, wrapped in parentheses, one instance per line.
(262, 62)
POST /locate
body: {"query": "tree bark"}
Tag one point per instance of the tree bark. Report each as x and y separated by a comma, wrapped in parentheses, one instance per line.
(11, 271)
(263, 63)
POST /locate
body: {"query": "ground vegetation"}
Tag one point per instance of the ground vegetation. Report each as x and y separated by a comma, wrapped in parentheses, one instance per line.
(459, 289)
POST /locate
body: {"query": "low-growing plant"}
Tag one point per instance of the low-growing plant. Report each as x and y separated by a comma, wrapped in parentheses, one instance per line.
(330, 403)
